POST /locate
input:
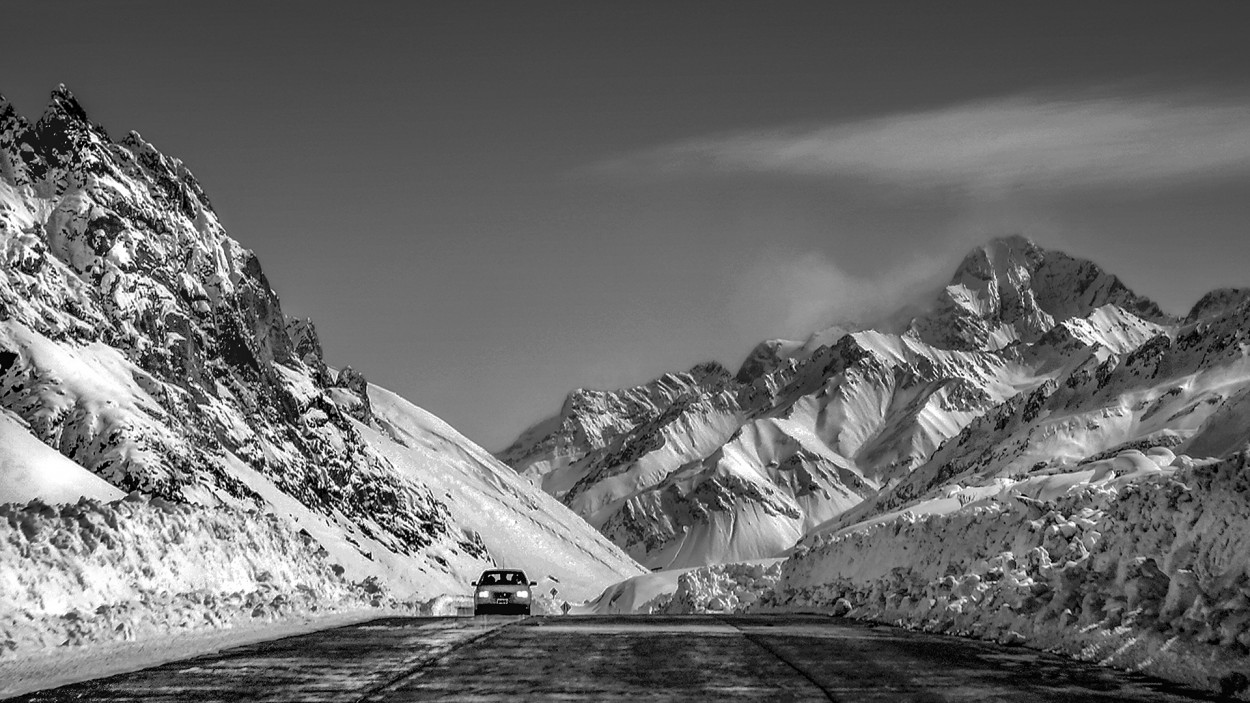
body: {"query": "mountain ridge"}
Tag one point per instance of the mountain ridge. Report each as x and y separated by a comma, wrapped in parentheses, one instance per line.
(1017, 327)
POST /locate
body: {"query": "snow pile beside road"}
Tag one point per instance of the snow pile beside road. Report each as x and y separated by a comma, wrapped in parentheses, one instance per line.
(701, 589)
(90, 572)
(639, 594)
(720, 588)
(1127, 563)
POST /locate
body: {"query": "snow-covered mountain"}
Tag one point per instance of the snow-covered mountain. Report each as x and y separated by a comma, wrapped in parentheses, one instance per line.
(143, 350)
(1028, 357)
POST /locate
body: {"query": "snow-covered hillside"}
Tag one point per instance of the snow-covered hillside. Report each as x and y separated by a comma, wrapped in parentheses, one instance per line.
(143, 351)
(1027, 357)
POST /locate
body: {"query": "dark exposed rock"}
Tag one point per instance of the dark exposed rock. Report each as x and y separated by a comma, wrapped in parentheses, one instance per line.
(1219, 301)
(354, 381)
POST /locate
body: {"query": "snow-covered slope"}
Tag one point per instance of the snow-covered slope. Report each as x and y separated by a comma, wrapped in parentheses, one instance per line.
(1027, 356)
(143, 350)
(30, 469)
(519, 525)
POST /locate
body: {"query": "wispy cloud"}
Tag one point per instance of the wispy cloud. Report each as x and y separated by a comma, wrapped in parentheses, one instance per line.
(989, 146)
(790, 294)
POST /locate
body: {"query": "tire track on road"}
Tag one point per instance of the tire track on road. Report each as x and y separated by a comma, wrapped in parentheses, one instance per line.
(414, 669)
(759, 642)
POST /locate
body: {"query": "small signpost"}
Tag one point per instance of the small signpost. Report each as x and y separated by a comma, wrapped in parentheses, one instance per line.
(565, 607)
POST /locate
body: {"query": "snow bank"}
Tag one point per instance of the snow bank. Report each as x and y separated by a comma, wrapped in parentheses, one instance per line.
(633, 595)
(720, 588)
(1132, 565)
(62, 666)
(138, 568)
(703, 589)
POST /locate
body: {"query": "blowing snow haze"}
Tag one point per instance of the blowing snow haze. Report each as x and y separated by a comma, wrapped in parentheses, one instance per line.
(429, 183)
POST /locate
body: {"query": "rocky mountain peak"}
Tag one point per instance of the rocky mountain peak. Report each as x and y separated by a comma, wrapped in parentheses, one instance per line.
(63, 106)
(1218, 301)
(9, 116)
(62, 143)
(711, 373)
(14, 130)
(1012, 290)
(1000, 259)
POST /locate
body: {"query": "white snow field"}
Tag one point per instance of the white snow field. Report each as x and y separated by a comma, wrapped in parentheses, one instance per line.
(178, 461)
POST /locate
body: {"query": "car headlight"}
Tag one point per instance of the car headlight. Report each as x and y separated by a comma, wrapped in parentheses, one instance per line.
(483, 594)
(522, 594)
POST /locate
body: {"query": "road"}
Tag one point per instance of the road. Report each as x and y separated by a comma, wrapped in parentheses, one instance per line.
(639, 658)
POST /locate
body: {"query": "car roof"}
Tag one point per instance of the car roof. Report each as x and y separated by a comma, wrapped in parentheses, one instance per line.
(503, 571)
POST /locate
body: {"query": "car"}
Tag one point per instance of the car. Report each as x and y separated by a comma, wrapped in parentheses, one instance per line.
(502, 591)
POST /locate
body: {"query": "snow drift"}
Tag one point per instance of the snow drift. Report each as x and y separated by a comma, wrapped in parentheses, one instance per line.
(89, 572)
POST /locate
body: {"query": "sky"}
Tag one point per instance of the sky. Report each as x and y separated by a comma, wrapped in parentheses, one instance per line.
(484, 206)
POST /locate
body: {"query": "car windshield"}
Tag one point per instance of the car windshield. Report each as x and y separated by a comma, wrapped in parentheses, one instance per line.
(503, 578)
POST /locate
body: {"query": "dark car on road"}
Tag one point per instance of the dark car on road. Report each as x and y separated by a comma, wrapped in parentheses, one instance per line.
(504, 591)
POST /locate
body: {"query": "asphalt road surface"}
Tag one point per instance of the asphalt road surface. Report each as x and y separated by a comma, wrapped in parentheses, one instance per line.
(638, 658)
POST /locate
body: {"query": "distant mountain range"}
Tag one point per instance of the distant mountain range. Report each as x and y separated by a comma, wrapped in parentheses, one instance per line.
(1029, 360)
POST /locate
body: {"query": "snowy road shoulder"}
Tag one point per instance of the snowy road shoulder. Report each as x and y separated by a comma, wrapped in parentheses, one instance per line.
(344, 657)
(67, 665)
